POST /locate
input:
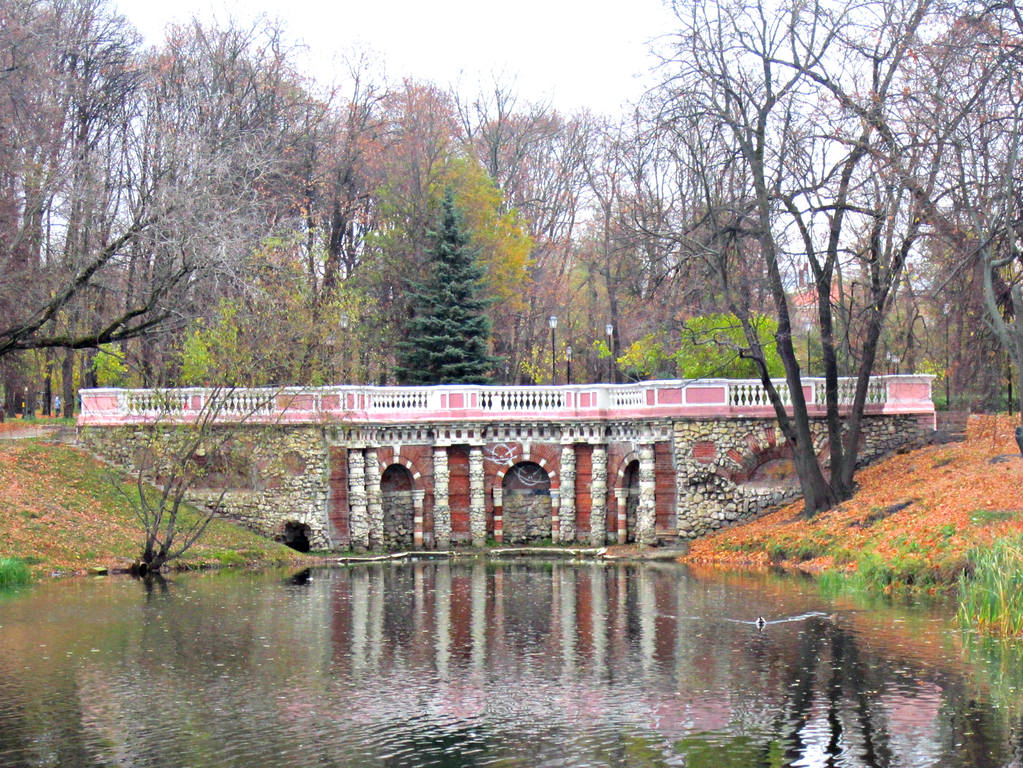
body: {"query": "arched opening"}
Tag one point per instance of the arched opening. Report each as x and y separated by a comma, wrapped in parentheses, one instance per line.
(774, 468)
(630, 483)
(527, 503)
(296, 536)
(775, 472)
(399, 511)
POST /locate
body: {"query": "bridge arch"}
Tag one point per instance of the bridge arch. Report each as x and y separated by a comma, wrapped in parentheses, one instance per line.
(769, 461)
(396, 487)
(415, 470)
(527, 512)
(296, 535)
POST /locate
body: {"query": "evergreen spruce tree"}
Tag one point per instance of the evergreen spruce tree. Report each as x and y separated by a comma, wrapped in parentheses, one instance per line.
(446, 340)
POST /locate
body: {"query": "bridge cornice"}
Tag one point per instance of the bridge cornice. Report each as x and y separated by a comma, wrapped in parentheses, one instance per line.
(475, 407)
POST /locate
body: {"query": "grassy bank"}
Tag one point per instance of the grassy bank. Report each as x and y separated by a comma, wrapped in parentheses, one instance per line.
(60, 512)
(936, 519)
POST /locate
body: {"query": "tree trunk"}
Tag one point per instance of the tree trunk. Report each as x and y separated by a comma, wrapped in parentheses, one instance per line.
(818, 494)
(48, 385)
(67, 375)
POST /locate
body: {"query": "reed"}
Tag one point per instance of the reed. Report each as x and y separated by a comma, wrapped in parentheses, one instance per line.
(991, 589)
(13, 572)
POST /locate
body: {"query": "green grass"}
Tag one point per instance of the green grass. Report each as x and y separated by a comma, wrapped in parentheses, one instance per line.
(13, 573)
(991, 590)
(800, 549)
(834, 583)
(989, 516)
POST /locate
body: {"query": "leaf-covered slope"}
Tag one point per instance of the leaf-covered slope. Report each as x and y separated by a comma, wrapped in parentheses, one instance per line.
(60, 511)
(917, 514)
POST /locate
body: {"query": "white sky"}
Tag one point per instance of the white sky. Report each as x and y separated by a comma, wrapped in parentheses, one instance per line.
(579, 54)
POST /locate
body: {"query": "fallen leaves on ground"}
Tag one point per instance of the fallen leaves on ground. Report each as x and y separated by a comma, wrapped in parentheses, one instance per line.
(929, 506)
(60, 511)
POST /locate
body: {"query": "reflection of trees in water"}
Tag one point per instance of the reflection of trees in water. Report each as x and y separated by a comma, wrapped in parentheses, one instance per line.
(999, 675)
(500, 662)
(824, 693)
(828, 666)
(42, 725)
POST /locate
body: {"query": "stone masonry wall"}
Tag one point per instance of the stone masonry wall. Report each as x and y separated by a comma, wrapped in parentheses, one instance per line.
(716, 460)
(398, 519)
(713, 472)
(271, 476)
(527, 516)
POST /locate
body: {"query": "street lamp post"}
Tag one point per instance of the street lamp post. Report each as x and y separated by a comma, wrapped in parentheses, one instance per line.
(609, 329)
(343, 321)
(552, 321)
(568, 363)
(331, 344)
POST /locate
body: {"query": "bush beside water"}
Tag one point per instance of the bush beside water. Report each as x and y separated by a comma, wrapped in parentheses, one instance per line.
(13, 572)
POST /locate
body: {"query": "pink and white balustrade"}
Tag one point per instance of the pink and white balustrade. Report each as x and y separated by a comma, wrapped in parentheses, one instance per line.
(703, 398)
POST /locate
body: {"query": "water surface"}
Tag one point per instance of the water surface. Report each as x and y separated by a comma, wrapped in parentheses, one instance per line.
(521, 664)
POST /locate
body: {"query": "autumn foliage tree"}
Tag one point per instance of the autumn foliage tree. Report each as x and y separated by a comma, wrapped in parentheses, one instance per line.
(173, 206)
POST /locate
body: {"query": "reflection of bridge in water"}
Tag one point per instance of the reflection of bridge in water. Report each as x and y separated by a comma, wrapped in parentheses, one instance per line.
(426, 467)
(644, 650)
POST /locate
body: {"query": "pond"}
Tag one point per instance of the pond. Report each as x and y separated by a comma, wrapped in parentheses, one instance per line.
(513, 664)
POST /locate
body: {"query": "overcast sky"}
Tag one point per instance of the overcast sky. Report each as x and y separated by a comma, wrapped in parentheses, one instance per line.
(578, 54)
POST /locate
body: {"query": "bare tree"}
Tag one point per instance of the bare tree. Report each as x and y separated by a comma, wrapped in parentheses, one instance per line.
(976, 71)
(135, 184)
(179, 455)
(355, 138)
(803, 110)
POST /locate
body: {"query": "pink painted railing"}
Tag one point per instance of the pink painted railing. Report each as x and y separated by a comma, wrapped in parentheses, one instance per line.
(714, 398)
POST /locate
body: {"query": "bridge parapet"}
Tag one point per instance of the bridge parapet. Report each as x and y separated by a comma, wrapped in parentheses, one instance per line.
(677, 399)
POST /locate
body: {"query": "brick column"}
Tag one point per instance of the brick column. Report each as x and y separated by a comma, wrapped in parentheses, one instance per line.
(359, 518)
(441, 502)
(622, 499)
(598, 493)
(374, 501)
(417, 519)
(498, 513)
(647, 509)
(567, 511)
(477, 503)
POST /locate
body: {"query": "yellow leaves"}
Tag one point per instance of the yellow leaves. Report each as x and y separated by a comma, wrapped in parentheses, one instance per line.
(500, 235)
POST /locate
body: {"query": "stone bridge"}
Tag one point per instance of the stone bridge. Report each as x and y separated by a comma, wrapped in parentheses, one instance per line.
(431, 467)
